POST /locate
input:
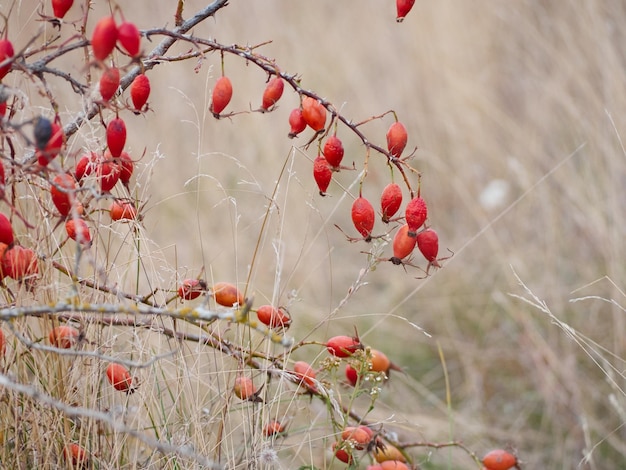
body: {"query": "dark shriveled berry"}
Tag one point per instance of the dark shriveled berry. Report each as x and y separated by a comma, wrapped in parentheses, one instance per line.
(42, 132)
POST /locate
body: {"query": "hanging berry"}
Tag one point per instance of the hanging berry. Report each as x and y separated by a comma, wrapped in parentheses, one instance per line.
(333, 151)
(322, 174)
(363, 217)
(313, 113)
(104, 38)
(296, 122)
(273, 92)
(140, 91)
(415, 214)
(222, 94)
(396, 139)
(390, 201)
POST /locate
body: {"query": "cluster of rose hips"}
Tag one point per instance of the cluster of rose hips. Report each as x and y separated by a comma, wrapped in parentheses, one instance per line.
(312, 113)
(362, 365)
(410, 234)
(108, 167)
(351, 439)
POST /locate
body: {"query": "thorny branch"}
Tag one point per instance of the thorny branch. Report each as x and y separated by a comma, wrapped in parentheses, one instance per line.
(204, 46)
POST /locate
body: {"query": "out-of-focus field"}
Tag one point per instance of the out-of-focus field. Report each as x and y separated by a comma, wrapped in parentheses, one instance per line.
(518, 110)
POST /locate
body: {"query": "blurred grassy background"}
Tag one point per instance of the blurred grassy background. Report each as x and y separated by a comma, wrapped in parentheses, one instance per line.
(524, 96)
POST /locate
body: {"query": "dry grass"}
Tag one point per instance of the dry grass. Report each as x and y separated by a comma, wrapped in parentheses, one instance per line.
(528, 314)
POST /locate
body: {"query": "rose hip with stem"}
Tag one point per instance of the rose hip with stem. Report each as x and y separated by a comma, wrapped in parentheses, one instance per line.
(116, 136)
(78, 230)
(296, 122)
(273, 92)
(191, 289)
(322, 174)
(396, 139)
(119, 377)
(104, 38)
(415, 214)
(390, 201)
(343, 346)
(273, 317)
(222, 94)
(403, 245)
(129, 37)
(333, 151)
(109, 83)
(363, 217)
(314, 113)
(62, 189)
(140, 91)
(428, 244)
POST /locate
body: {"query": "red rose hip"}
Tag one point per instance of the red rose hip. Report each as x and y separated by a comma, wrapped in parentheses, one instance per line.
(390, 201)
(119, 376)
(78, 230)
(428, 244)
(499, 459)
(140, 91)
(109, 83)
(333, 151)
(273, 92)
(363, 216)
(129, 37)
(62, 193)
(272, 316)
(6, 52)
(402, 9)
(116, 136)
(396, 139)
(296, 122)
(415, 214)
(61, 7)
(6, 230)
(343, 346)
(191, 289)
(403, 244)
(322, 174)
(313, 113)
(222, 94)
(104, 38)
